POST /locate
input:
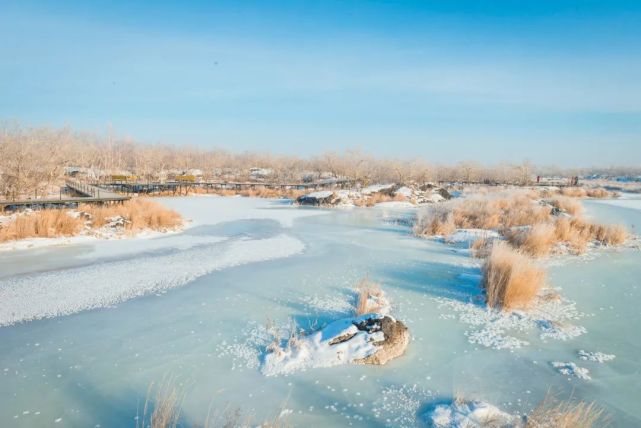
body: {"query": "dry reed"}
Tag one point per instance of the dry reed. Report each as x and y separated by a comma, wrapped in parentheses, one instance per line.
(551, 413)
(367, 293)
(538, 240)
(510, 278)
(138, 214)
(40, 224)
(569, 205)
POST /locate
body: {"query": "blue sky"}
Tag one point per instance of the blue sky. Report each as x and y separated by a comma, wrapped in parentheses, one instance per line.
(554, 82)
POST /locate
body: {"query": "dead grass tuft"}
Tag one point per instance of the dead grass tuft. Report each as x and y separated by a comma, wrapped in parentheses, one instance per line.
(139, 214)
(367, 292)
(510, 278)
(438, 220)
(551, 413)
(493, 212)
(40, 224)
(481, 248)
(163, 410)
(537, 241)
(569, 205)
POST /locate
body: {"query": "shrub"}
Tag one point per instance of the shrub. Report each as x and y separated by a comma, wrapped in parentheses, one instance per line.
(510, 278)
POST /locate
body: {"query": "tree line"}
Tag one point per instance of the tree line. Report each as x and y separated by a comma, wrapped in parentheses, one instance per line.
(33, 162)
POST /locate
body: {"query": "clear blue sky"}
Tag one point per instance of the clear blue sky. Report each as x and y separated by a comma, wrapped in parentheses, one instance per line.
(550, 81)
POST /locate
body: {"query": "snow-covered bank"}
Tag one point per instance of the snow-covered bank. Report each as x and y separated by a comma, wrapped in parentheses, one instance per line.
(56, 293)
(85, 238)
(377, 194)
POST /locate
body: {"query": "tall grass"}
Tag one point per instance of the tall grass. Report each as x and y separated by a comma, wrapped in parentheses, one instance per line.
(438, 220)
(569, 205)
(580, 192)
(551, 413)
(492, 212)
(163, 408)
(510, 214)
(367, 294)
(510, 278)
(538, 240)
(40, 224)
(138, 213)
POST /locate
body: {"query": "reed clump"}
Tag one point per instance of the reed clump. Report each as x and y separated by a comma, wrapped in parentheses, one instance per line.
(439, 220)
(494, 212)
(538, 240)
(551, 413)
(511, 279)
(48, 223)
(138, 214)
(580, 192)
(526, 224)
(568, 205)
(368, 297)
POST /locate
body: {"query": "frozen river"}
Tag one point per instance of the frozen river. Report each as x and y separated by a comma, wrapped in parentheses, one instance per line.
(84, 329)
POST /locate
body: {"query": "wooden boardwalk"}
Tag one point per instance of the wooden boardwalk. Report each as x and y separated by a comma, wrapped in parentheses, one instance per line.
(87, 192)
(177, 186)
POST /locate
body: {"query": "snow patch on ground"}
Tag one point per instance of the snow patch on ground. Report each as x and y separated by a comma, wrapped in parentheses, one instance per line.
(63, 292)
(469, 414)
(375, 188)
(468, 236)
(571, 369)
(324, 348)
(399, 406)
(597, 357)
(499, 330)
(320, 195)
(395, 204)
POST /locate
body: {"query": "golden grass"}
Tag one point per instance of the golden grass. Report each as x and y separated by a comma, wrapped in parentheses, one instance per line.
(481, 248)
(139, 214)
(569, 205)
(438, 220)
(599, 193)
(510, 278)
(366, 293)
(551, 413)
(580, 192)
(492, 212)
(507, 213)
(538, 240)
(163, 410)
(40, 224)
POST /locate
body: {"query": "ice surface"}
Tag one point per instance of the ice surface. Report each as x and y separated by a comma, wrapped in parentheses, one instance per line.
(55, 293)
